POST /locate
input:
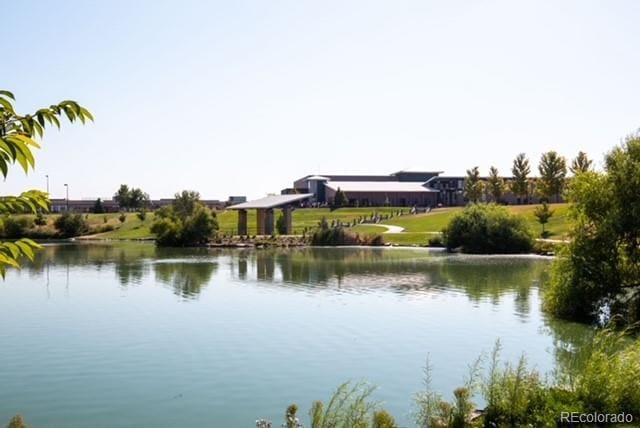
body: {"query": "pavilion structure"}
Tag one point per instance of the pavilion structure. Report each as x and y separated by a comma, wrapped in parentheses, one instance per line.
(265, 212)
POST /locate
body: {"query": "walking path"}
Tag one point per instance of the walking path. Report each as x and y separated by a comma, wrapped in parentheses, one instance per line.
(390, 228)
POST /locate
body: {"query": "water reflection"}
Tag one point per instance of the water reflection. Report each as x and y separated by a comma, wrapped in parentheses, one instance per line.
(186, 278)
(357, 270)
(355, 300)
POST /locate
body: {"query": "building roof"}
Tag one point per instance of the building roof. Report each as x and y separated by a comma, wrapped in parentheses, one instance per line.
(272, 201)
(317, 177)
(379, 186)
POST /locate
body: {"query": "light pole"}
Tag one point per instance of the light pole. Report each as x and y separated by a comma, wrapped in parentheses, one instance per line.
(67, 186)
(47, 183)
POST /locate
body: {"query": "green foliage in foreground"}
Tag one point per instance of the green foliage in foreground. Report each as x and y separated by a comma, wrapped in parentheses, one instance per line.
(18, 134)
(598, 273)
(487, 229)
(185, 223)
(515, 394)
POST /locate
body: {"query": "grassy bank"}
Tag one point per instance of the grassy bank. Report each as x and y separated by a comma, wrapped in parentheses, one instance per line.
(417, 228)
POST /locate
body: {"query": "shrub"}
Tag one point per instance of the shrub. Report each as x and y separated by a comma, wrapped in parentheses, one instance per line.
(487, 229)
(142, 215)
(40, 219)
(122, 217)
(337, 235)
(16, 227)
(435, 241)
(69, 225)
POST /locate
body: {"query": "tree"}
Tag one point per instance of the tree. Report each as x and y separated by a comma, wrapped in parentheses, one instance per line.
(543, 214)
(553, 171)
(520, 171)
(487, 229)
(18, 134)
(495, 184)
(185, 203)
(598, 272)
(580, 164)
(340, 199)
(98, 207)
(185, 223)
(123, 196)
(473, 185)
(138, 199)
(69, 225)
(131, 198)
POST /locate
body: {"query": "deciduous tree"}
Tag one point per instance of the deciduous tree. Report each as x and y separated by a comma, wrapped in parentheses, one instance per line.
(18, 135)
(520, 171)
(599, 270)
(495, 184)
(473, 186)
(553, 171)
(580, 164)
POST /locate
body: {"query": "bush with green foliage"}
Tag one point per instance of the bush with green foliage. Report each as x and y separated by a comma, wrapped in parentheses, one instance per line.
(338, 235)
(185, 223)
(69, 225)
(516, 395)
(16, 227)
(122, 217)
(487, 229)
(142, 215)
(597, 275)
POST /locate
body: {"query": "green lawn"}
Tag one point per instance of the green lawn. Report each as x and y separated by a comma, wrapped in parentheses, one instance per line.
(437, 219)
(303, 218)
(418, 228)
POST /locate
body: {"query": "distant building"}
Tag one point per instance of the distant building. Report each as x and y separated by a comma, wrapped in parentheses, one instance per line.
(402, 188)
(233, 200)
(87, 205)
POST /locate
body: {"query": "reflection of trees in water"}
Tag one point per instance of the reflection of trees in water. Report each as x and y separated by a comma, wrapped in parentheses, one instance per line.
(186, 278)
(571, 344)
(400, 271)
(492, 278)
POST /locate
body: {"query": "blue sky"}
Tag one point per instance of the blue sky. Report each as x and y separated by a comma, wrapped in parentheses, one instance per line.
(243, 97)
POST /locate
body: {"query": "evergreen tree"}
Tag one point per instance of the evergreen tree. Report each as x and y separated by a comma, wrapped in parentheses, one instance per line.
(340, 199)
(98, 207)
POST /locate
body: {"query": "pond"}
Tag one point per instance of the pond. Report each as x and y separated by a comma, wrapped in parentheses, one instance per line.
(124, 335)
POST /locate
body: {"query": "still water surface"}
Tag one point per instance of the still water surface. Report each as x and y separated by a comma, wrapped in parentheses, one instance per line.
(127, 335)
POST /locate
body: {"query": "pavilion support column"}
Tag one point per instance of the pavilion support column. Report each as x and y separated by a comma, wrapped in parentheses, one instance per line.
(261, 220)
(242, 222)
(288, 223)
(268, 226)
